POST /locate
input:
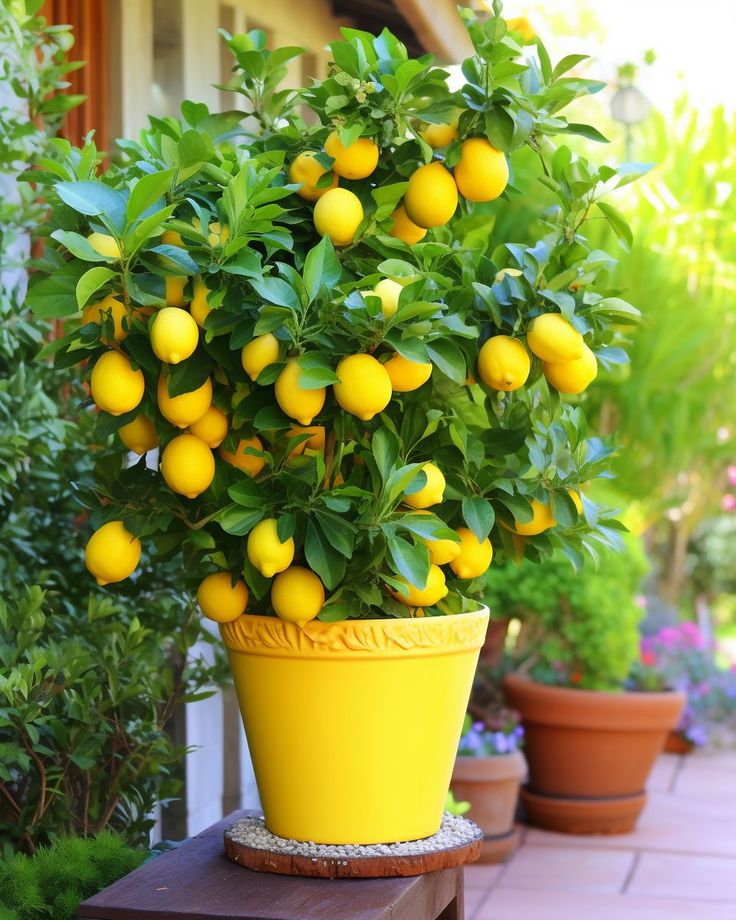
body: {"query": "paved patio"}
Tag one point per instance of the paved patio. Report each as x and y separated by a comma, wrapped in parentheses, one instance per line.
(679, 863)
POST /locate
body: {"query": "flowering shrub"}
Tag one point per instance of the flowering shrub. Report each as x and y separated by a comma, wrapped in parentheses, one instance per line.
(681, 657)
(480, 740)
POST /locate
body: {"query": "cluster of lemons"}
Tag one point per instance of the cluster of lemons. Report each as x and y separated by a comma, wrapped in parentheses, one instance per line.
(567, 362)
(366, 385)
(431, 197)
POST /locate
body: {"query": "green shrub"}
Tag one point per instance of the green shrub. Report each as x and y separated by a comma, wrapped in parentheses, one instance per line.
(54, 882)
(83, 710)
(578, 629)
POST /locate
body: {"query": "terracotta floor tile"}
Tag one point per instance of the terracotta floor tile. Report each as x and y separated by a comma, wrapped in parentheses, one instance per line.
(708, 878)
(567, 869)
(670, 823)
(708, 778)
(474, 898)
(482, 876)
(518, 904)
(663, 775)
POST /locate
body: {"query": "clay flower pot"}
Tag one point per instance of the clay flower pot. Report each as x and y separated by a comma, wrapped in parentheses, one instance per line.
(491, 785)
(589, 753)
(675, 743)
(353, 726)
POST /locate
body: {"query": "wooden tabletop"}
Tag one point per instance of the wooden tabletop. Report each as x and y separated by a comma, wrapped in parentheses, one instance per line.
(196, 880)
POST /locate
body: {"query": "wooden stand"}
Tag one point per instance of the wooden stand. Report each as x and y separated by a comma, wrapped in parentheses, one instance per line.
(321, 865)
(196, 882)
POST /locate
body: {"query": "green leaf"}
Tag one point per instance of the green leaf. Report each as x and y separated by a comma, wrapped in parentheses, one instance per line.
(567, 63)
(147, 192)
(56, 295)
(194, 148)
(618, 224)
(408, 560)
(90, 282)
(385, 450)
(322, 558)
(94, 199)
(246, 493)
(478, 515)
(321, 268)
(79, 247)
(593, 134)
(237, 521)
(276, 291)
(316, 371)
(449, 359)
(499, 128)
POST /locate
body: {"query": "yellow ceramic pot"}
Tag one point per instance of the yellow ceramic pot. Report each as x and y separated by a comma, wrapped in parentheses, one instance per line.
(353, 726)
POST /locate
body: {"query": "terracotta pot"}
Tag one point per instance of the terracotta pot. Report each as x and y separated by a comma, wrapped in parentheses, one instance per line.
(675, 743)
(353, 726)
(593, 746)
(492, 650)
(491, 785)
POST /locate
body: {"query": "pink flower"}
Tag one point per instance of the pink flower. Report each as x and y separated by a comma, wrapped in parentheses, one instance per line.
(731, 473)
(728, 502)
(648, 658)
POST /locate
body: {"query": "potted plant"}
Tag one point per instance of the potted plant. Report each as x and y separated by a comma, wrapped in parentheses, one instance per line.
(680, 656)
(349, 396)
(489, 769)
(590, 742)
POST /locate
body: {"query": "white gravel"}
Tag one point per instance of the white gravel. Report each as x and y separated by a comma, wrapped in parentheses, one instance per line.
(454, 832)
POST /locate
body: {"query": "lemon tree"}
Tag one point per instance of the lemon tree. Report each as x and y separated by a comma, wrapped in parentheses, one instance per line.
(356, 384)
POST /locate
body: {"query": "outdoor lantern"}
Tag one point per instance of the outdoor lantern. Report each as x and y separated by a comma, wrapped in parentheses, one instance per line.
(630, 106)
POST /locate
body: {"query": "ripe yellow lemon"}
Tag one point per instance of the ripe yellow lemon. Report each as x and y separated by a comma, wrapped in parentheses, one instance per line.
(552, 338)
(356, 161)
(474, 556)
(175, 285)
(105, 244)
(572, 376)
(482, 173)
(297, 401)
(407, 375)
(266, 552)
(434, 590)
(187, 465)
(439, 135)
(112, 553)
(405, 229)
(306, 172)
(249, 463)
(431, 196)
(94, 313)
(389, 291)
(116, 388)
(259, 353)
(172, 237)
(139, 435)
(431, 492)
(542, 519)
(174, 335)
(440, 551)
(297, 595)
(199, 308)
(315, 441)
(211, 428)
(364, 388)
(218, 234)
(186, 409)
(221, 600)
(338, 214)
(503, 363)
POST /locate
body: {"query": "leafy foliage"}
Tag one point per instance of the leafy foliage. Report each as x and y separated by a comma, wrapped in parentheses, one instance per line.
(70, 658)
(55, 881)
(269, 274)
(577, 630)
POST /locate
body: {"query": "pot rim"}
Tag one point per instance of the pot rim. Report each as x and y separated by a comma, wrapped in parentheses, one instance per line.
(491, 768)
(404, 637)
(599, 710)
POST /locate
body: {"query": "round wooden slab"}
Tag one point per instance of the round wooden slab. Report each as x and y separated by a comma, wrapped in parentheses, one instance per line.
(369, 866)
